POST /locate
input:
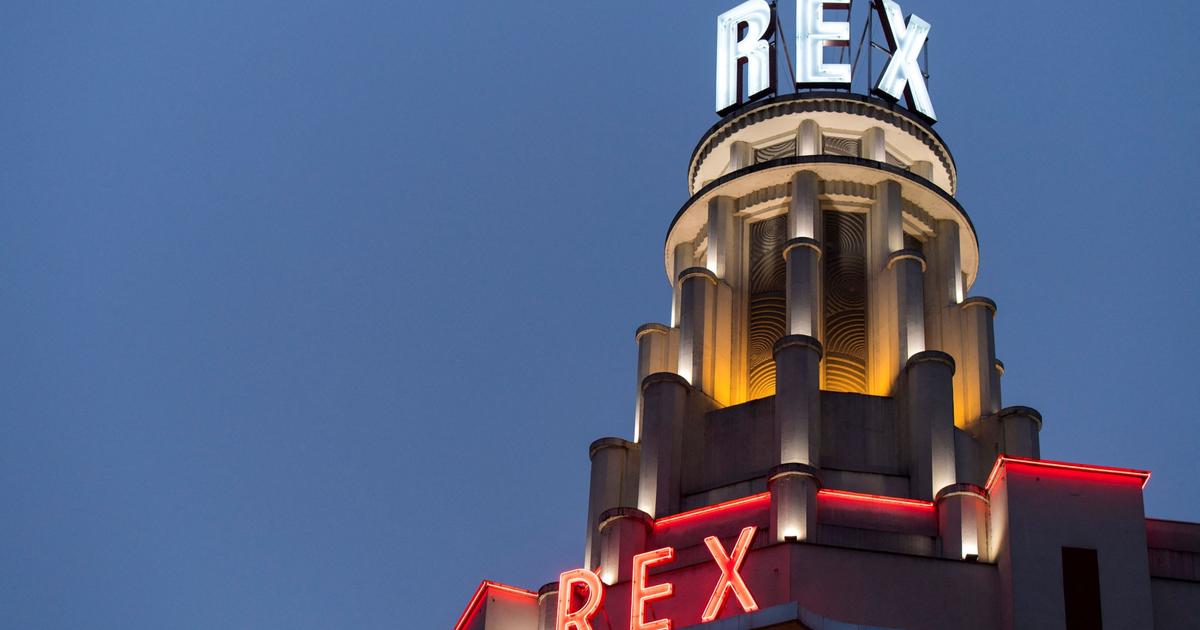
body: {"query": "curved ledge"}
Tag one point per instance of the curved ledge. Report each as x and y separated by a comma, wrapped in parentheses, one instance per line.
(608, 442)
(698, 272)
(802, 241)
(798, 341)
(907, 254)
(647, 329)
(979, 301)
(549, 588)
(664, 377)
(811, 101)
(931, 356)
(1020, 412)
(797, 160)
(615, 514)
(793, 470)
(961, 490)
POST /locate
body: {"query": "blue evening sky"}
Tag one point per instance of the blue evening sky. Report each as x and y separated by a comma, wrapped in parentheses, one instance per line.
(311, 309)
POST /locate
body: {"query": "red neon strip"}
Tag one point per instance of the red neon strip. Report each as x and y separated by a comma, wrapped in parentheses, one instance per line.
(1144, 475)
(469, 614)
(875, 498)
(712, 509)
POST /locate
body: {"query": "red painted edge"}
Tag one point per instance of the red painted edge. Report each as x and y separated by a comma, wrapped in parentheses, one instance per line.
(1001, 461)
(473, 607)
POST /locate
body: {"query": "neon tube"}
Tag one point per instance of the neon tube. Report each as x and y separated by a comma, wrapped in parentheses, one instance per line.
(1144, 475)
(875, 498)
(713, 509)
(484, 586)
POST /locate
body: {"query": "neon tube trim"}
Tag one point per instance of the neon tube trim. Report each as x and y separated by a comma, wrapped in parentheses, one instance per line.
(484, 586)
(1144, 475)
(713, 509)
(875, 498)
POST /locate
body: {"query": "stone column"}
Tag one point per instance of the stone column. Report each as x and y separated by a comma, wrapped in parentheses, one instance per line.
(684, 258)
(723, 258)
(874, 146)
(803, 260)
(922, 169)
(907, 267)
(665, 397)
(548, 606)
(697, 294)
(962, 511)
(802, 256)
(943, 288)
(885, 237)
(929, 417)
(808, 138)
(658, 351)
(1018, 429)
(623, 534)
(741, 155)
(614, 483)
(976, 388)
(798, 399)
(794, 502)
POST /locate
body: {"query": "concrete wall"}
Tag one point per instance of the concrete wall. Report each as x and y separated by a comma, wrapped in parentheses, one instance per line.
(733, 448)
(1035, 512)
(1176, 604)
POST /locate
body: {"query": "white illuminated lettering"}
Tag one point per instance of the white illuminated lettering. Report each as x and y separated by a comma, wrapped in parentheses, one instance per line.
(813, 34)
(753, 48)
(903, 73)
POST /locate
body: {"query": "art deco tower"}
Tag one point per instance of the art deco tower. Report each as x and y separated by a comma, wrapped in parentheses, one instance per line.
(819, 440)
(822, 336)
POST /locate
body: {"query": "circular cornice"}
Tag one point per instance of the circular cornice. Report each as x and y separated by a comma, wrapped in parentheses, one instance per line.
(931, 356)
(619, 513)
(697, 272)
(802, 241)
(969, 490)
(793, 470)
(842, 102)
(799, 160)
(664, 377)
(906, 254)
(1019, 411)
(979, 300)
(798, 341)
(648, 329)
(608, 442)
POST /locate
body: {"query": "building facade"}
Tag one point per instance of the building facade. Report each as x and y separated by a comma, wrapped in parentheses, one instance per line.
(819, 437)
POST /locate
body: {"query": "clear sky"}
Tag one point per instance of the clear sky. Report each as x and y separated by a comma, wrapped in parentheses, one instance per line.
(312, 309)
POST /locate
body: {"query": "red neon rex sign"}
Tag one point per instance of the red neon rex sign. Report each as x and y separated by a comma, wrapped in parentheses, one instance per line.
(578, 617)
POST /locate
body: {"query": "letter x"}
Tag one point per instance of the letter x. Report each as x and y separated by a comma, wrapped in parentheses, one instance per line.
(903, 73)
(730, 580)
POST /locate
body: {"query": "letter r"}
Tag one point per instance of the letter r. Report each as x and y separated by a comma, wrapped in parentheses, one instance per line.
(754, 48)
(579, 619)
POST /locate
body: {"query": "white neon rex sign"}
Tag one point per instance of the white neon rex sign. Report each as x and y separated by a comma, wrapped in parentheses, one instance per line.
(743, 45)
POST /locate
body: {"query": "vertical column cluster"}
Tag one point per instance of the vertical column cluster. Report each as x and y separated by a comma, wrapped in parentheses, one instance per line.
(614, 483)
(896, 310)
(794, 482)
(658, 351)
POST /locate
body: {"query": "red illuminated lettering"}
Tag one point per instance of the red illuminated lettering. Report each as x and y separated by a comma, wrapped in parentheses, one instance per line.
(730, 580)
(642, 593)
(579, 619)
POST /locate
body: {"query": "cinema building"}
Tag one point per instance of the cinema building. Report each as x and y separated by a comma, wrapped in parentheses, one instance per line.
(819, 440)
